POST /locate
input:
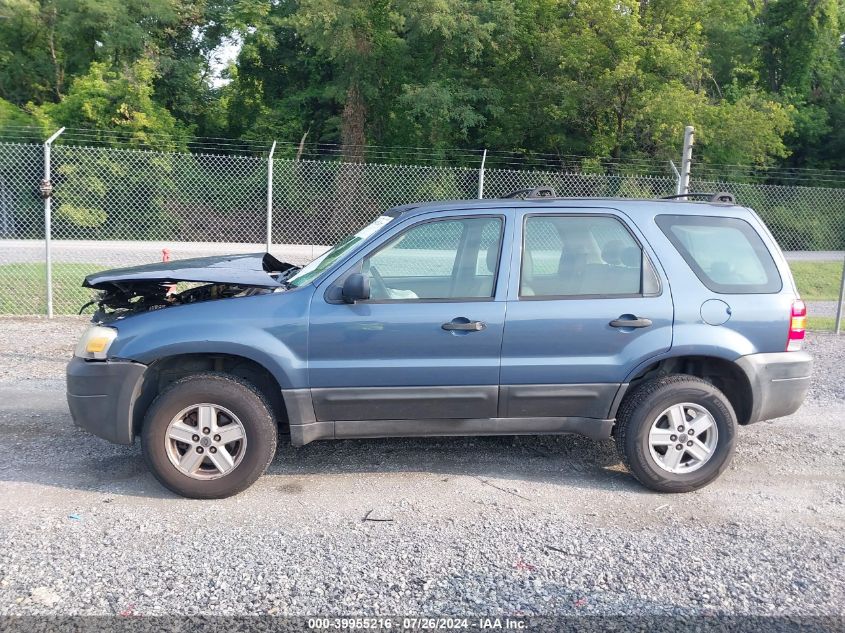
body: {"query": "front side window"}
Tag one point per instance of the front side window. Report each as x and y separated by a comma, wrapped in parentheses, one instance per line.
(577, 256)
(726, 254)
(443, 259)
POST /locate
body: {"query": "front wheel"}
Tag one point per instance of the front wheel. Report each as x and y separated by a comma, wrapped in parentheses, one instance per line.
(676, 433)
(209, 436)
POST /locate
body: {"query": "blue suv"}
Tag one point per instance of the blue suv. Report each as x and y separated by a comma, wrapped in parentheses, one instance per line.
(662, 324)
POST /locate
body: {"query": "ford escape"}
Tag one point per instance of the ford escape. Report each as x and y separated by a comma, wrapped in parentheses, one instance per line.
(662, 324)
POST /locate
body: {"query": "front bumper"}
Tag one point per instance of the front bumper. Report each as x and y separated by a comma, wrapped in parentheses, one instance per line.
(779, 382)
(102, 394)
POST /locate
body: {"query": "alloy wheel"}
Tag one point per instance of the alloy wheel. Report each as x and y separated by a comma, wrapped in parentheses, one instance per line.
(683, 438)
(205, 441)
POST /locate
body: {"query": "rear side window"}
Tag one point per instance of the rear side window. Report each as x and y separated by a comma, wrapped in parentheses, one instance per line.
(726, 254)
(583, 256)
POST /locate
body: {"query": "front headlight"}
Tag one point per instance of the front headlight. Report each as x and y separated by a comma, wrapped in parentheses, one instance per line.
(95, 343)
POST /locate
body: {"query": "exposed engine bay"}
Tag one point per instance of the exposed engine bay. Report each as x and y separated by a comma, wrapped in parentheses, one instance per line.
(128, 291)
(118, 302)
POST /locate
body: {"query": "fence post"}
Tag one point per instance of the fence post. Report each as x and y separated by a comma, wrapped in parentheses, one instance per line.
(270, 197)
(481, 176)
(686, 159)
(677, 178)
(838, 325)
(47, 194)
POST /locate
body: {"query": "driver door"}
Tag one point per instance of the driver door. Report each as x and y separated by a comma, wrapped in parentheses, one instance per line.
(426, 345)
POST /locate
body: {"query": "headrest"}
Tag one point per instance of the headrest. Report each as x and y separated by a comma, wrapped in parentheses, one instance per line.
(492, 257)
(612, 252)
(631, 257)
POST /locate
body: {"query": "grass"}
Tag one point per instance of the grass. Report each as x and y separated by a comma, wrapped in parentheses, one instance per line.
(821, 323)
(22, 287)
(817, 281)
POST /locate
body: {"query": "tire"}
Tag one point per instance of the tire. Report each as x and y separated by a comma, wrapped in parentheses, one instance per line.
(650, 416)
(237, 411)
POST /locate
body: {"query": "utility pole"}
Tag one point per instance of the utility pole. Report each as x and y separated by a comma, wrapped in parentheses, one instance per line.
(686, 160)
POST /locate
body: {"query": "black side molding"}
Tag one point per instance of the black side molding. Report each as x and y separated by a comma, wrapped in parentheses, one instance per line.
(596, 429)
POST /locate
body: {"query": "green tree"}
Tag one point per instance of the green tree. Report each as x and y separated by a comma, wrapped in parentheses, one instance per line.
(277, 89)
(801, 60)
(46, 44)
(109, 192)
(110, 101)
(12, 117)
(448, 90)
(360, 39)
(747, 131)
(762, 80)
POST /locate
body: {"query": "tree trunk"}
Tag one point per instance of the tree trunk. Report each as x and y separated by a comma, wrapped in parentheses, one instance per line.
(353, 124)
(347, 206)
(301, 147)
(58, 71)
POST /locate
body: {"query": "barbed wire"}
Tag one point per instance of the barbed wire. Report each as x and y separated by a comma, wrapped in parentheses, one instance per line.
(467, 157)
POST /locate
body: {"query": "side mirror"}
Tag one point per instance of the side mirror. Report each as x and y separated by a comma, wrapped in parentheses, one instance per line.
(356, 288)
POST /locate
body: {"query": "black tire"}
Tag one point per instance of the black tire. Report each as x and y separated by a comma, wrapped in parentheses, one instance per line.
(235, 394)
(642, 406)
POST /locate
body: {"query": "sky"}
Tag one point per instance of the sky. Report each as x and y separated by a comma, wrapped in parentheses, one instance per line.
(221, 58)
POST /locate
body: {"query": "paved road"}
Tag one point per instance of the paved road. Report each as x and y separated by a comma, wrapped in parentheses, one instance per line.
(815, 256)
(822, 308)
(115, 252)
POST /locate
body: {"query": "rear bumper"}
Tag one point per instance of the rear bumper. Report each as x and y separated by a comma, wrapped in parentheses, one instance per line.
(101, 396)
(779, 382)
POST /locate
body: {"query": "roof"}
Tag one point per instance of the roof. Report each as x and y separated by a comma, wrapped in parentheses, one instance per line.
(674, 206)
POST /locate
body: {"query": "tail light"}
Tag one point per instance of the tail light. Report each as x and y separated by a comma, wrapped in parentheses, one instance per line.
(797, 326)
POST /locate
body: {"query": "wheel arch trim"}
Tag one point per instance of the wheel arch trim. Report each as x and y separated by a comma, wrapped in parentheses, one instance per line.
(148, 387)
(744, 400)
(287, 370)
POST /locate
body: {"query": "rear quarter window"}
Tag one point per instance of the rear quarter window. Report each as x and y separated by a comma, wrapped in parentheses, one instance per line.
(726, 254)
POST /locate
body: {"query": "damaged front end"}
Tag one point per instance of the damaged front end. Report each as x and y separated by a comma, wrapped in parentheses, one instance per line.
(126, 291)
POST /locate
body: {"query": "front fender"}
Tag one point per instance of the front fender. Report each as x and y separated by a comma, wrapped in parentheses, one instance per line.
(271, 330)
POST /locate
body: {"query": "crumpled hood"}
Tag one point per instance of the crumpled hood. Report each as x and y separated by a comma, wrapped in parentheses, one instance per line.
(247, 270)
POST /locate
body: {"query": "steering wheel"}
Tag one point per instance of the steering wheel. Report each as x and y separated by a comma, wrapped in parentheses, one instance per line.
(382, 291)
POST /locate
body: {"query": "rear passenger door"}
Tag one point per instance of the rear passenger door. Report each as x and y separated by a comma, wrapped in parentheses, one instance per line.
(586, 304)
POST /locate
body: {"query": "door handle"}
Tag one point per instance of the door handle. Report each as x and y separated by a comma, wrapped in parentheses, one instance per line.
(464, 326)
(634, 322)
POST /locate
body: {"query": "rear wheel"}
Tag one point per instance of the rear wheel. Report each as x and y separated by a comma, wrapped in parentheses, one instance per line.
(209, 436)
(676, 433)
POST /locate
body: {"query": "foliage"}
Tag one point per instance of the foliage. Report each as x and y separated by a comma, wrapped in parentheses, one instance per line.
(763, 82)
(12, 117)
(110, 101)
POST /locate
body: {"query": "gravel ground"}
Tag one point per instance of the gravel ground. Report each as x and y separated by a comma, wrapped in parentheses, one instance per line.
(535, 525)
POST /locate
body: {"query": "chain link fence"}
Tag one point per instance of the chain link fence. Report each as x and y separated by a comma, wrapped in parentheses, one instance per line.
(118, 207)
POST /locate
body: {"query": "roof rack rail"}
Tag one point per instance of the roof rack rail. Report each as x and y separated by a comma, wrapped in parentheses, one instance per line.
(534, 192)
(721, 196)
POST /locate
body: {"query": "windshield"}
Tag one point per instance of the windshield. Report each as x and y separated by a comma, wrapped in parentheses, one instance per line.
(316, 267)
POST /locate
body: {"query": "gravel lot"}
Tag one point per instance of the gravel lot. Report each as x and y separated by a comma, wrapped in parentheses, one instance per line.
(456, 526)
